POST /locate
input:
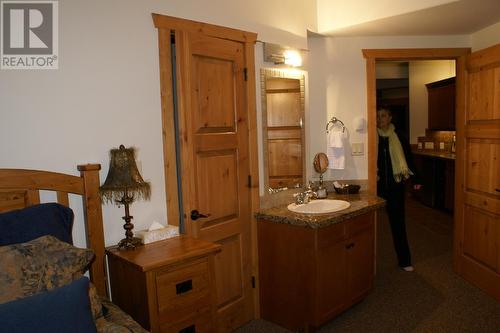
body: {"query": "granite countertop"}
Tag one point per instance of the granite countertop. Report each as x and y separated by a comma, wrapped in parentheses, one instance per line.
(438, 154)
(360, 204)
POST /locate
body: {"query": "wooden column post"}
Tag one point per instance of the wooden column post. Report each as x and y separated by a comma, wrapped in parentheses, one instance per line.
(94, 226)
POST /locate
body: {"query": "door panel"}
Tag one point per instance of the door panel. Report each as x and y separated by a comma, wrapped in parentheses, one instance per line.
(215, 165)
(484, 86)
(214, 86)
(478, 222)
(483, 233)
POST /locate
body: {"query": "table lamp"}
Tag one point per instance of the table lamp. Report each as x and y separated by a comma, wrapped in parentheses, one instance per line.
(124, 185)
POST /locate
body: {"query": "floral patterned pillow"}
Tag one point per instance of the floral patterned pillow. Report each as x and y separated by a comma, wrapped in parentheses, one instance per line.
(39, 265)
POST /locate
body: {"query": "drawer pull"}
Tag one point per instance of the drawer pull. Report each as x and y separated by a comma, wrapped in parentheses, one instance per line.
(497, 189)
(349, 246)
(189, 329)
(184, 287)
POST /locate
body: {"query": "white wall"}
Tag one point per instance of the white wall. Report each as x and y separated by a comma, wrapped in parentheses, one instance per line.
(421, 73)
(106, 91)
(337, 85)
(335, 14)
(486, 37)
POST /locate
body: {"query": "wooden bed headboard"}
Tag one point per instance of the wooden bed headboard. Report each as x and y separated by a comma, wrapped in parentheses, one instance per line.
(20, 188)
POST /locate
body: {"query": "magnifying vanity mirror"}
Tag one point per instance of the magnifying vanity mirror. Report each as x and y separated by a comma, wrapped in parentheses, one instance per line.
(283, 128)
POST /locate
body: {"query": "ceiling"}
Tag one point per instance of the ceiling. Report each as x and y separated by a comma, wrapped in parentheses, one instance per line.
(456, 18)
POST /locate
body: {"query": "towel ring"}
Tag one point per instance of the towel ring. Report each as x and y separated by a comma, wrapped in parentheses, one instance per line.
(333, 121)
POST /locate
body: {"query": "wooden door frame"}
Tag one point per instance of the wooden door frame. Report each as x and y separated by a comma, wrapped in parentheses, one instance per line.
(460, 56)
(167, 25)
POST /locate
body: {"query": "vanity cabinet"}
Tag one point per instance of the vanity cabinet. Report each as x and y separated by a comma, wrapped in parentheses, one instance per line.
(308, 276)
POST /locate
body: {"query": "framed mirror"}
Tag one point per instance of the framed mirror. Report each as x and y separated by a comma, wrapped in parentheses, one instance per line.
(283, 105)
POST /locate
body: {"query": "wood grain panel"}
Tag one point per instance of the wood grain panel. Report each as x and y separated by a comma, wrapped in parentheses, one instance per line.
(12, 199)
(483, 173)
(217, 174)
(285, 157)
(484, 94)
(214, 87)
(483, 237)
(170, 299)
(283, 109)
(274, 133)
(228, 285)
(282, 83)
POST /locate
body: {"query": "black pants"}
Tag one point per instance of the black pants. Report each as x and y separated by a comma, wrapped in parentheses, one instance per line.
(394, 194)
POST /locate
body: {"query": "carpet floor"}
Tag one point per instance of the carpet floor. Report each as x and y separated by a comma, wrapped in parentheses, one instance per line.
(430, 299)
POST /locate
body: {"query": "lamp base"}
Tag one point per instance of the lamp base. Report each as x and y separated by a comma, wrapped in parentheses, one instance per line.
(129, 243)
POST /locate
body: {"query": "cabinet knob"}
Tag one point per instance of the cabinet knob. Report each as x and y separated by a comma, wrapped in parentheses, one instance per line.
(497, 189)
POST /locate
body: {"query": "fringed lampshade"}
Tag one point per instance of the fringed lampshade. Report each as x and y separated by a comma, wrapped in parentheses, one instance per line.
(124, 185)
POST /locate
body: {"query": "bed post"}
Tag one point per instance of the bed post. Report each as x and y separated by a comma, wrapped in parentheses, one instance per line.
(93, 224)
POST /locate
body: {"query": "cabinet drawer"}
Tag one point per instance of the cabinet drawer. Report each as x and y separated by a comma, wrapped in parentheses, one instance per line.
(186, 286)
(359, 223)
(196, 323)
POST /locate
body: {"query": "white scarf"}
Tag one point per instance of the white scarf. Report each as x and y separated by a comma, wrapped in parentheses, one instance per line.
(400, 168)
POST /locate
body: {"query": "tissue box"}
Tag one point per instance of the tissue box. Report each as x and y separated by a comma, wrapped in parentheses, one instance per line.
(157, 235)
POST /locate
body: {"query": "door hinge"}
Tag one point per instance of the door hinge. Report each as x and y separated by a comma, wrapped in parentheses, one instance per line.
(249, 181)
(245, 73)
(253, 282)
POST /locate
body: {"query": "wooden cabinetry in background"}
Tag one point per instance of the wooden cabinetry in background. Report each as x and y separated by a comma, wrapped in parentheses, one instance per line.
(441, 104)
(308, 276)
(166, 286)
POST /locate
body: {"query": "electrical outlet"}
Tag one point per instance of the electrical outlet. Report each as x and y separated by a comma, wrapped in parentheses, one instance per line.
(441, 145)
(357, 149)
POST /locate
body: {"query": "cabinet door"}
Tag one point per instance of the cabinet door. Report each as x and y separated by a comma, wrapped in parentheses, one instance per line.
(332, 290)
(360, 250)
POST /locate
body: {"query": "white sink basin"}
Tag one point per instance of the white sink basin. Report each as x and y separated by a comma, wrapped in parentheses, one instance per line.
(322, 206)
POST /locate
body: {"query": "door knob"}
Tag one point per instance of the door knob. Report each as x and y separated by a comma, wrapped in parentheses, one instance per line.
(195, 214)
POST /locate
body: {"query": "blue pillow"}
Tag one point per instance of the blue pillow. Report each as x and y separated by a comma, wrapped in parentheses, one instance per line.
(64, 309)
(23, 225)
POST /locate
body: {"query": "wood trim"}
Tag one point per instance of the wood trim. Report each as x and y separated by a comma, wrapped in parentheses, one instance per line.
(372, 56)
(459, 55)
(184, 118)
(485, 131)
(371, 96)
(460, 122)
(93, 223)
(168, 127)
(174, 23)
(415, 54)
(40, 180)
(254, 166)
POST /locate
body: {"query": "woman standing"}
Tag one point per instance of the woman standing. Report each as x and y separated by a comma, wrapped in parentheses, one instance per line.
(395, 165)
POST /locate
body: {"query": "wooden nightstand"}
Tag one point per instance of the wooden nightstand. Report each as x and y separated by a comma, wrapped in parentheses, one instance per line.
(166, 286)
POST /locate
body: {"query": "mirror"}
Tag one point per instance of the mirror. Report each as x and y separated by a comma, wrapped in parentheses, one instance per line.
(283, 128)
(320, 163)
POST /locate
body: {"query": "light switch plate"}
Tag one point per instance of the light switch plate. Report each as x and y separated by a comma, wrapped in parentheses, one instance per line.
(429, 145)
(357, 149)
(441, 145)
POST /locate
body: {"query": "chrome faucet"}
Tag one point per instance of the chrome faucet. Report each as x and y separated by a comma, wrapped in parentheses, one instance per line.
(302, 198)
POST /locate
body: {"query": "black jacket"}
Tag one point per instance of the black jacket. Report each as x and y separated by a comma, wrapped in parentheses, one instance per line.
(384, 166)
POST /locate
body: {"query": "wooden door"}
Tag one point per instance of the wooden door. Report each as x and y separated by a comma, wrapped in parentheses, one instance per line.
(477, 247)
(215, 165)
(284, 132)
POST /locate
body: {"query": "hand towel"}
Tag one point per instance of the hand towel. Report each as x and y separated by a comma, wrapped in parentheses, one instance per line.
(335, 150)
